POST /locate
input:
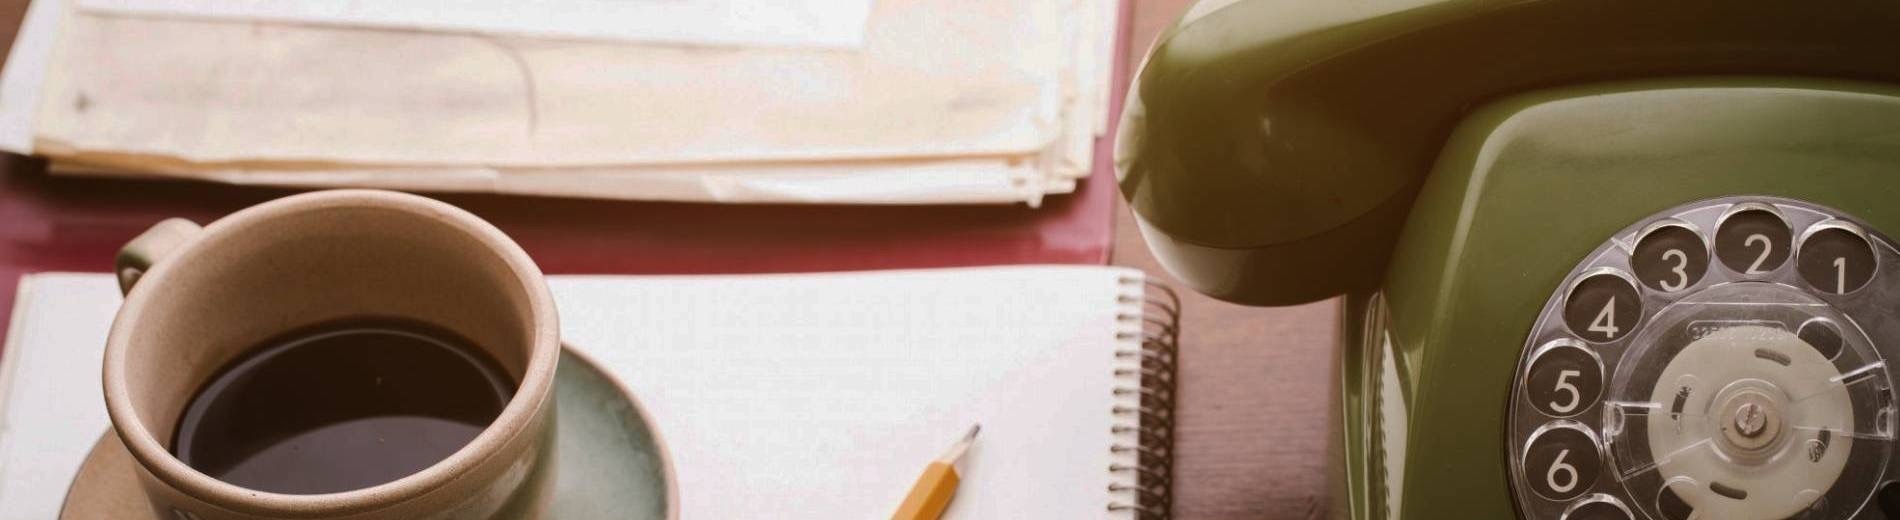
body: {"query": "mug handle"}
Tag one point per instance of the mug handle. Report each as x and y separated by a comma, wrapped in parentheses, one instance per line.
(150, 247)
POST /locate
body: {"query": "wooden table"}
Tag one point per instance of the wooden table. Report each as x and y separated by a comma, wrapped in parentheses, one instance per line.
(1256, 384)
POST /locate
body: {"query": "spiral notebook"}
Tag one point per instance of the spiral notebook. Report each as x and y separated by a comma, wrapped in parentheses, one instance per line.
(778, 396)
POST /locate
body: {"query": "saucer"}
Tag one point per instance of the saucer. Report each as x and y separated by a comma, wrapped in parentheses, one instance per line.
(610, 462)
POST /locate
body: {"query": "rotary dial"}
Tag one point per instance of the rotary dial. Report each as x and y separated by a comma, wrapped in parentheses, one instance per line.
(1720, 360)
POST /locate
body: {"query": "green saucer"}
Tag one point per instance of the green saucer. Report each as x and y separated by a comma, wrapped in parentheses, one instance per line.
(610, 462)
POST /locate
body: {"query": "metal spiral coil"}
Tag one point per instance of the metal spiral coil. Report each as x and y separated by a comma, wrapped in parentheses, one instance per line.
(1150, 437)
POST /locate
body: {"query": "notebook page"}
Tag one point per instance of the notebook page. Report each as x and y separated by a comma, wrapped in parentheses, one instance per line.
(51, 407)
(800, 396)
(825, 395)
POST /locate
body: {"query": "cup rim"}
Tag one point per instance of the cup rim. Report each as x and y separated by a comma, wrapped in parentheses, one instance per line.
(533, 392)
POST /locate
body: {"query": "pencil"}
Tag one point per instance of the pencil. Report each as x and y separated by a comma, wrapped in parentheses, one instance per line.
(933, 491)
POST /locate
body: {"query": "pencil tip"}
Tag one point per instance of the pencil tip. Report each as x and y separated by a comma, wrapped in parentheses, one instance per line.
(962, 445)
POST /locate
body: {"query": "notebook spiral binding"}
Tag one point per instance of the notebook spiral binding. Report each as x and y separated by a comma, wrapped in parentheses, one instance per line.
(1143, 474)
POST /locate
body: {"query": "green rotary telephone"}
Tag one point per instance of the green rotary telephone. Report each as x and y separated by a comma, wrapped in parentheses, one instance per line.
(1601, 259)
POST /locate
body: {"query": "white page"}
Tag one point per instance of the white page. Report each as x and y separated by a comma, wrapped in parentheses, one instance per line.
(823, 396)
(778, 23)
(778, 396)
(51, 406)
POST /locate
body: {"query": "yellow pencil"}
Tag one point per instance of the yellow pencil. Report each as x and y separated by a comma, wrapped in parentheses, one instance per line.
(933, 491)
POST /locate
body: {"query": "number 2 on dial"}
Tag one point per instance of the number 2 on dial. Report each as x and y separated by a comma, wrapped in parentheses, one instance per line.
(1605, 321)
(1767, 247)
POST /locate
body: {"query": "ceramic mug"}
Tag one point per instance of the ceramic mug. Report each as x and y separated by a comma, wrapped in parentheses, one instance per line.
(197, 298)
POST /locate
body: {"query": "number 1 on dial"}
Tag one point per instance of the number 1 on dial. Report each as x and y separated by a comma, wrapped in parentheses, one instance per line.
(1840, 275)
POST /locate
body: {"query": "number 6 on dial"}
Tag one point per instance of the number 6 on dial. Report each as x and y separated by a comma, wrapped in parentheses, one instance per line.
(1550, 477)
(1562, 461)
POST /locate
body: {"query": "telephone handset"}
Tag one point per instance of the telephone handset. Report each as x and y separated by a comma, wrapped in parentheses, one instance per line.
(1270, 136)
(1602, 258)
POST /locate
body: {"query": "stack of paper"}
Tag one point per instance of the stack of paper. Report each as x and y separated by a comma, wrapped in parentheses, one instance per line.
(918, 101)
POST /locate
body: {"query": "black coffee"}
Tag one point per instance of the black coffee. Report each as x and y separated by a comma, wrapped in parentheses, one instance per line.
(341, 406)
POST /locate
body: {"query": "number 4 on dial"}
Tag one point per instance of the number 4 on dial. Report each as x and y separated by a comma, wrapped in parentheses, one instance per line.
(1602, 307)
(1605, 321)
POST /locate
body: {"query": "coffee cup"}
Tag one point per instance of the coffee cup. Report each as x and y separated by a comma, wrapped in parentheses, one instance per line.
(200, 299)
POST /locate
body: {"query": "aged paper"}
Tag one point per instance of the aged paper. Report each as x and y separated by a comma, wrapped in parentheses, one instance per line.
(776, 23)
(936, 78)
(977, 180)
(584, 141)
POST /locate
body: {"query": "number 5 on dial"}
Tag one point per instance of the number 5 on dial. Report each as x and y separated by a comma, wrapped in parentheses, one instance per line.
(1563, 385)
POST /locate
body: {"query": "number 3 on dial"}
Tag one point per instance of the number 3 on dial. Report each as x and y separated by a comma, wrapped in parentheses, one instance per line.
(1682, 277)
(1670, 258)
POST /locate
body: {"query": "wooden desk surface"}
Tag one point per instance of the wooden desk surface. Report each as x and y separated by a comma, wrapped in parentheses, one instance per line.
(1255, 383)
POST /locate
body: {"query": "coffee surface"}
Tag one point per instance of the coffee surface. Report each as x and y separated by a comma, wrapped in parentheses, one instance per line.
(341, 406)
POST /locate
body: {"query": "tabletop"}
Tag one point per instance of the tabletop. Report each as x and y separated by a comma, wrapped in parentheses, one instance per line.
(1256, 383)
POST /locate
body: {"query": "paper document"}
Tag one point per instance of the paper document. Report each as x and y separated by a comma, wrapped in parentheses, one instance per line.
(946, 102)
(775, 23)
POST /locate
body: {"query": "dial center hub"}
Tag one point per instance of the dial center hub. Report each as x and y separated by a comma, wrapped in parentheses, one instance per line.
(1750, 419)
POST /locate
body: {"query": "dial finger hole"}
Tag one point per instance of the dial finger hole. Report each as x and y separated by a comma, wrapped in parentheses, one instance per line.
(1598, 507)
(1888, 497)
(1835, 258)
(1602, 307)
(1817, 504)
(1670, 257)
(1565, 379)
(1823, 335)
(1753, 239)
(1670, 502)
(1562, 460)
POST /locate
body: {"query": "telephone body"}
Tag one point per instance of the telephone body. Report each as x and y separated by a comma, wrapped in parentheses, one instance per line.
(1600, 258)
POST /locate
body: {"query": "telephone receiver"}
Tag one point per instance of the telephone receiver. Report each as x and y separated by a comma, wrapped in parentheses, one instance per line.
(1600, 258)
(1270, 137)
